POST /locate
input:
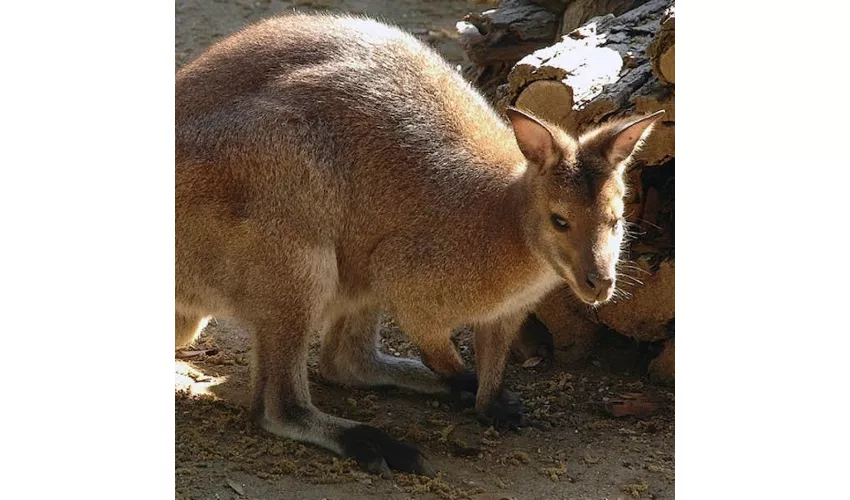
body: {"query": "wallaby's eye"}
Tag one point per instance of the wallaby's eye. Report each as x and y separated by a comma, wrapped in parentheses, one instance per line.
(559, 222)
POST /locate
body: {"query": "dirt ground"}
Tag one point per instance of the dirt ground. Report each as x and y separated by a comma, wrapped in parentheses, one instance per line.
(202, 22)
(580, 449)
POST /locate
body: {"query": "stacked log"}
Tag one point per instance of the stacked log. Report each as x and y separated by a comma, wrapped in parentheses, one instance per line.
(661, 51)
(611, 58)
(496, 39)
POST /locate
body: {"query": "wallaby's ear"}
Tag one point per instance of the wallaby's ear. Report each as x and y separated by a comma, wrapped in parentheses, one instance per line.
(626, 138)
(534, 139)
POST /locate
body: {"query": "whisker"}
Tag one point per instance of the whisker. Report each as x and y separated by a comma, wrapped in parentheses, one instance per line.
(634, 231)
(644, 221)
(632, 278)
(635, 268)
(630, 281)
(628, 272)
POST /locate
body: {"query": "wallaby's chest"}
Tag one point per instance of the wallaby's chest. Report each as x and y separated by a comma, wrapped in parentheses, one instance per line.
(520, 296)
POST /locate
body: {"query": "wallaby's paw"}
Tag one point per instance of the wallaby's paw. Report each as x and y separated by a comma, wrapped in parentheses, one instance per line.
(377, 452)
(463, 387)
(465, 381)
(504, 412)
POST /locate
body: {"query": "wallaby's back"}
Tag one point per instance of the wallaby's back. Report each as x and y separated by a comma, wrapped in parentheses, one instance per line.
(351, 127)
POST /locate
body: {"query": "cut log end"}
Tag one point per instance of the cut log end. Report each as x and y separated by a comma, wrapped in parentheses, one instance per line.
(667, 65)
(547, 99)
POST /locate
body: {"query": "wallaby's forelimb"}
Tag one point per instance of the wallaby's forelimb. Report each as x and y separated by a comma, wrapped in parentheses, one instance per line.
(439, 354)
(492, 344)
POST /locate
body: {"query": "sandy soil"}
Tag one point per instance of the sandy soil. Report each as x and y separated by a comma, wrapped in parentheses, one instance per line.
(580, 451)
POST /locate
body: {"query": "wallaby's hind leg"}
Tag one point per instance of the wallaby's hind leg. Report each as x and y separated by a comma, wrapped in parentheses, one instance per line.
(282, 404)
(281, 319)
(187, 327)
(350, 356)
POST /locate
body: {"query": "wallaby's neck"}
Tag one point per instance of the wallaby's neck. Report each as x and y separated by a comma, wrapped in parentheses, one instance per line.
(507, 211)
(508, 229)
(519, 210)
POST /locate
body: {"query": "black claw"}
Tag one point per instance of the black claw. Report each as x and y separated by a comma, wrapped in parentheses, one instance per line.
(375, 465)
(377, 452)
(504, 412)
(384, 470)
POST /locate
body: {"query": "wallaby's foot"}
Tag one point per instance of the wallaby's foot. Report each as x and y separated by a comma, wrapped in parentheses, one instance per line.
(350, 357)
(373, 449)
(380, 370)
(505, 411)
(377, 452)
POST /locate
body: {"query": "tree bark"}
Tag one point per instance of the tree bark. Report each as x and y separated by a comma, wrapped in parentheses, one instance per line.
(496, 39)
(506, 34)
(578, 12)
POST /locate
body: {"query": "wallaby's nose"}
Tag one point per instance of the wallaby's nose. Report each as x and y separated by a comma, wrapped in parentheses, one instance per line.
(599, 284)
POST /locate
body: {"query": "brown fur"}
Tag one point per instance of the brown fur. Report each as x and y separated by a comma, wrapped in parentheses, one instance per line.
(330, 167)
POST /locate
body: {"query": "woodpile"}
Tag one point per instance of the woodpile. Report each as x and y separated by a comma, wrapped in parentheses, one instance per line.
(497, 38)
(579, 63)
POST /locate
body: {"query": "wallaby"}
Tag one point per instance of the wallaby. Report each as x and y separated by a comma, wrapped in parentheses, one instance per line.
(329, 168)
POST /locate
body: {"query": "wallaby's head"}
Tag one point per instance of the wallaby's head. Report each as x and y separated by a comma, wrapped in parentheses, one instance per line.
(576, 191)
